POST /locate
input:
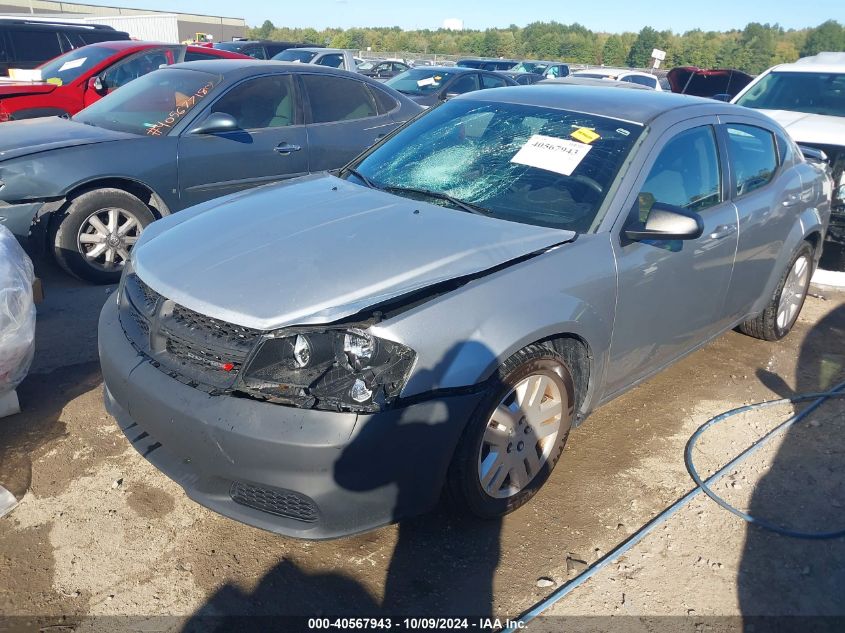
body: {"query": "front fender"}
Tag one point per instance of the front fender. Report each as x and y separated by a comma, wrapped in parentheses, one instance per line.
(462, 337)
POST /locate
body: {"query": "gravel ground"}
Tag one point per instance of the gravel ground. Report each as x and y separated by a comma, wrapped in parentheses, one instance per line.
(100, 532)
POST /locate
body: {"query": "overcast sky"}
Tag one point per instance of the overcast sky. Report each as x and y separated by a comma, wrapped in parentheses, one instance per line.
(604, 15)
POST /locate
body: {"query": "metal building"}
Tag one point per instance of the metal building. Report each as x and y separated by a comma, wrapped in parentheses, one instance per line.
(172, 26)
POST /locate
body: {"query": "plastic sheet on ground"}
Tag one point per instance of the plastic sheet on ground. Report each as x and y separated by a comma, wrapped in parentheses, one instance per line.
(17, 312)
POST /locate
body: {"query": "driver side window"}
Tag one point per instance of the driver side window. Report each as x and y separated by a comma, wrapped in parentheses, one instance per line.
(466, 83)
(264, 102)
(685, 174)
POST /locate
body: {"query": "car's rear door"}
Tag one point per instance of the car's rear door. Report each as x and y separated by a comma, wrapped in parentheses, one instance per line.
(271, 144)
(671, 293)
(343, 118)
(767, 194)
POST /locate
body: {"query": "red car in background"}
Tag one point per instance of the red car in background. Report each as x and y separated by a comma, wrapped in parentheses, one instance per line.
(75, 80)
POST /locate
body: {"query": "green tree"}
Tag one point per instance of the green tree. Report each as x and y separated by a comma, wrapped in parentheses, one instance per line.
(614, 52)
(829, 36)
(265, 30)
(640, 53)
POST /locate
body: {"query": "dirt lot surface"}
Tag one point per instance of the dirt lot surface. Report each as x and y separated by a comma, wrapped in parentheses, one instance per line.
(100, 532)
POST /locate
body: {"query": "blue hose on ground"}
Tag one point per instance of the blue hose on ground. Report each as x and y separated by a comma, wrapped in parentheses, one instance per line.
(819, 399)
(702, 486)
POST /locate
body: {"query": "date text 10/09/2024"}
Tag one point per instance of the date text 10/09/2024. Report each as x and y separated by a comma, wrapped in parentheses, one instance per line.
(413, 624)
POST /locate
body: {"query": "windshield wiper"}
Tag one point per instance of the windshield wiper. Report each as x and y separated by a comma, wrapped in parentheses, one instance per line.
(362, 177)
(469, 207)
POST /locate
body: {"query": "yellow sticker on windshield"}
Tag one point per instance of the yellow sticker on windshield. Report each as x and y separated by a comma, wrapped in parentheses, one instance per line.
(585, 135)
(55, 81)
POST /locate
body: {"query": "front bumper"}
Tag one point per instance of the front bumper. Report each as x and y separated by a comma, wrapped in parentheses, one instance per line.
(18, 218)
(320, 474)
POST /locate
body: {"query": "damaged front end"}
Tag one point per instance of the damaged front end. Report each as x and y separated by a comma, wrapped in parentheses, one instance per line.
(834, 157)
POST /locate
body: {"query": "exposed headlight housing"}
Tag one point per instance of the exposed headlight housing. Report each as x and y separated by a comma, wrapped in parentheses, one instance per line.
(333, 369)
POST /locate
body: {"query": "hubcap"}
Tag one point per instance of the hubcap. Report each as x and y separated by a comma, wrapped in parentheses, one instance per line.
(793, 293)
(106, 237)
(520, 435)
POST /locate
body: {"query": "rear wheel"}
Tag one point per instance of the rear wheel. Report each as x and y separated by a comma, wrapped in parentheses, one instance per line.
(779, 317)
(93, 238)
(515, 436)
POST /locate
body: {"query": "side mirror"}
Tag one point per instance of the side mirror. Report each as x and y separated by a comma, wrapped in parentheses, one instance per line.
(723, 97)
(217, 123)
(450, 95)
(96, 84)
(666, 222)
(813, 155)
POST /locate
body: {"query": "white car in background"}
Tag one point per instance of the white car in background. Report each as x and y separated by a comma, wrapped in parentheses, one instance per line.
(808, 99)
(622, 74)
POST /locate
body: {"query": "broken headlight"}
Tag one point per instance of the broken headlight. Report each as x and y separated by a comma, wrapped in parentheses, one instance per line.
(336, 369)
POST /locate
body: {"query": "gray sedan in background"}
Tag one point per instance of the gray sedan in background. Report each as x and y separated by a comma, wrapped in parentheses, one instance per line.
(327, 355)
(87, 187)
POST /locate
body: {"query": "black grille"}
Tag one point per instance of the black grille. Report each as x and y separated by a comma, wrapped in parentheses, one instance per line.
(226, 333)
(201, 357)
(283, 503)
(142, 296)
(201, 349)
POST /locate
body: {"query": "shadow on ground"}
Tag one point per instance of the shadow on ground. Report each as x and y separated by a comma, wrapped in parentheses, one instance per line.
(804, 489)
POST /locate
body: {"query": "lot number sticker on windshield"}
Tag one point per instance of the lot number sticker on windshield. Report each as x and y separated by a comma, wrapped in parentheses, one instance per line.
(559, 155)
(429, 81)
(74, 63)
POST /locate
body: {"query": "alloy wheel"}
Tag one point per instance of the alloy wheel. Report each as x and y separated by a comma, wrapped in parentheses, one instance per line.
(106, 237)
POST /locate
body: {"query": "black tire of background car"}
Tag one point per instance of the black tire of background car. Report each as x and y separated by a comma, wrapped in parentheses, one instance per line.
(764, 326)
(463, 488)
(64, 229)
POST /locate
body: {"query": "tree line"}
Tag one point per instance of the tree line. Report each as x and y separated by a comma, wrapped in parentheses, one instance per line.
(752, 49)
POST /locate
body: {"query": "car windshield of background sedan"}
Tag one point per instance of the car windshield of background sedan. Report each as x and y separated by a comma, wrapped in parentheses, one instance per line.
(811, 93)
(419, 81)
(153, 104)
(527, 164)
(295, 55)
(68, 67)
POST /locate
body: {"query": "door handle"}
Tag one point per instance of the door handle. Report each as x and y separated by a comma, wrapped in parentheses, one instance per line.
(722, 231)
(286, 148)
(791, 200)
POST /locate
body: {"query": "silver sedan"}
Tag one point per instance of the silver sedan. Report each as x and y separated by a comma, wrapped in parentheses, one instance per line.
(327, 355)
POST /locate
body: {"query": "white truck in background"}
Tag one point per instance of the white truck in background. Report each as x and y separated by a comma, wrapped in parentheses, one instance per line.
(332, 57)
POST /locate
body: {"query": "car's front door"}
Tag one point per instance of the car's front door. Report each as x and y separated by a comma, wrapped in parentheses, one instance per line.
(270, 143)
(671, 294)
(343, 119)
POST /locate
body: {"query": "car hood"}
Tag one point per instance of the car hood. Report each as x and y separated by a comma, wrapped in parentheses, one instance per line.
(318, 249)
(31, 136)
(12, 88)
(811, 128)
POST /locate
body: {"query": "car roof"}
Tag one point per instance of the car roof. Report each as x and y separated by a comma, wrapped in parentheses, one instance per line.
(575, 80)
(827, 62)
(121, 45)
(638, 106)
(319, 49)
(239, 68)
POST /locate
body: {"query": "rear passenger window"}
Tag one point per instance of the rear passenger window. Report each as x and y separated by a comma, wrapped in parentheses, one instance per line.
(338, 99)
(332, 61)
(385, 102)
(753, 156)
(489, 81)
(35, 46)
(686, 173)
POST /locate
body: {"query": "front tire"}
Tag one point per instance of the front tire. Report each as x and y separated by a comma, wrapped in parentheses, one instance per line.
(94, 236)
(515, 436)
(779, 317)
